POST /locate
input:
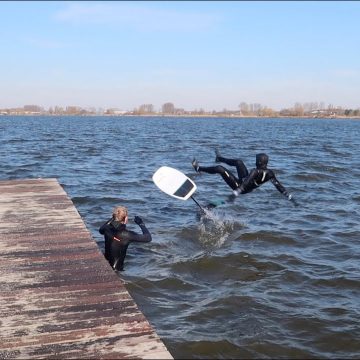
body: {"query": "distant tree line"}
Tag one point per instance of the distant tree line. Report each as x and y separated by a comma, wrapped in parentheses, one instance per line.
(310, 109)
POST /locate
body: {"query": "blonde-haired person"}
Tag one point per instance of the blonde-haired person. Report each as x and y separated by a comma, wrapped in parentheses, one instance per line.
(118, 238)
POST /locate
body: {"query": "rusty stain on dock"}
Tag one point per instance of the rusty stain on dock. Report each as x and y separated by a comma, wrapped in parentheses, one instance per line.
(59, 298)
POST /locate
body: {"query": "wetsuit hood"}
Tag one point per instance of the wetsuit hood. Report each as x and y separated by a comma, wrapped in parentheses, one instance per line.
(261, 161)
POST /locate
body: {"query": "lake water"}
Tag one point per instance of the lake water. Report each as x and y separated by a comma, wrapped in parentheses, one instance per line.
(256, 278)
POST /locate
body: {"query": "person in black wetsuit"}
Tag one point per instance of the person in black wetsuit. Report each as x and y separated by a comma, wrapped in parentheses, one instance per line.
(245, 182)
(118, 238)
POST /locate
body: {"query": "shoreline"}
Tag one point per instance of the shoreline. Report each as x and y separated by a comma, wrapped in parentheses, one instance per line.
(188, 116)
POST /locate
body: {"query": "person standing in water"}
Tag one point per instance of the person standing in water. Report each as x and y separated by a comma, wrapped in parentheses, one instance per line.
(118, 238)
(245, 182)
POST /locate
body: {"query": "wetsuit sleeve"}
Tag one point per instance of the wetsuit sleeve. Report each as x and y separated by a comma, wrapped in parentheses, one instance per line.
(277, 184)
(105, 227)
(132, 236)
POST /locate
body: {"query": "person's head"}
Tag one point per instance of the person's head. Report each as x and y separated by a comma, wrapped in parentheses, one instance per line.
(261, 161)
(120, 214)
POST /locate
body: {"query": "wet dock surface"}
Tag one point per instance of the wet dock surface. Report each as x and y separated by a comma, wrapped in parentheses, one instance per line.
(59, 298)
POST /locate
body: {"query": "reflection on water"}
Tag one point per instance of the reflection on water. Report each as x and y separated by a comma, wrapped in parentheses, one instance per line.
(253, 278)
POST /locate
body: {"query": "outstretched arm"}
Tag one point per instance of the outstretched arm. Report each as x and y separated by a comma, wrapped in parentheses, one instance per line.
(282, 189)
(278, 186)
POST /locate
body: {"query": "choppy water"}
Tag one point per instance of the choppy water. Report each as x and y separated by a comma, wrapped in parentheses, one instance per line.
(257, 278)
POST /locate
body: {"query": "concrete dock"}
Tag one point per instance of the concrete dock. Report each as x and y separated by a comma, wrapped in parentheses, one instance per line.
(59, 297)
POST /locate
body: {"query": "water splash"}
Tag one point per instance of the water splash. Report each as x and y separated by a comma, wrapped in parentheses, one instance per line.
(215, 227)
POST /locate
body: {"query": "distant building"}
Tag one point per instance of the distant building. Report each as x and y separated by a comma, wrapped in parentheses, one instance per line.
(115, 112)
(33, 109)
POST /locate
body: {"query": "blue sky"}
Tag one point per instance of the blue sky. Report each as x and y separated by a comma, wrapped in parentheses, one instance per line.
(206, 54)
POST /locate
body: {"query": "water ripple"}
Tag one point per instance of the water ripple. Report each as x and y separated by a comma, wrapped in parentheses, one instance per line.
(256, 278)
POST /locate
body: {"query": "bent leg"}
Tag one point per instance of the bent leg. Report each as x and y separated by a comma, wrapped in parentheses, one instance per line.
(239, 164)
(228, 177)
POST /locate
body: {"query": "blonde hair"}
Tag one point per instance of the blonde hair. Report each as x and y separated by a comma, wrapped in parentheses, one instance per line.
(120, 213)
